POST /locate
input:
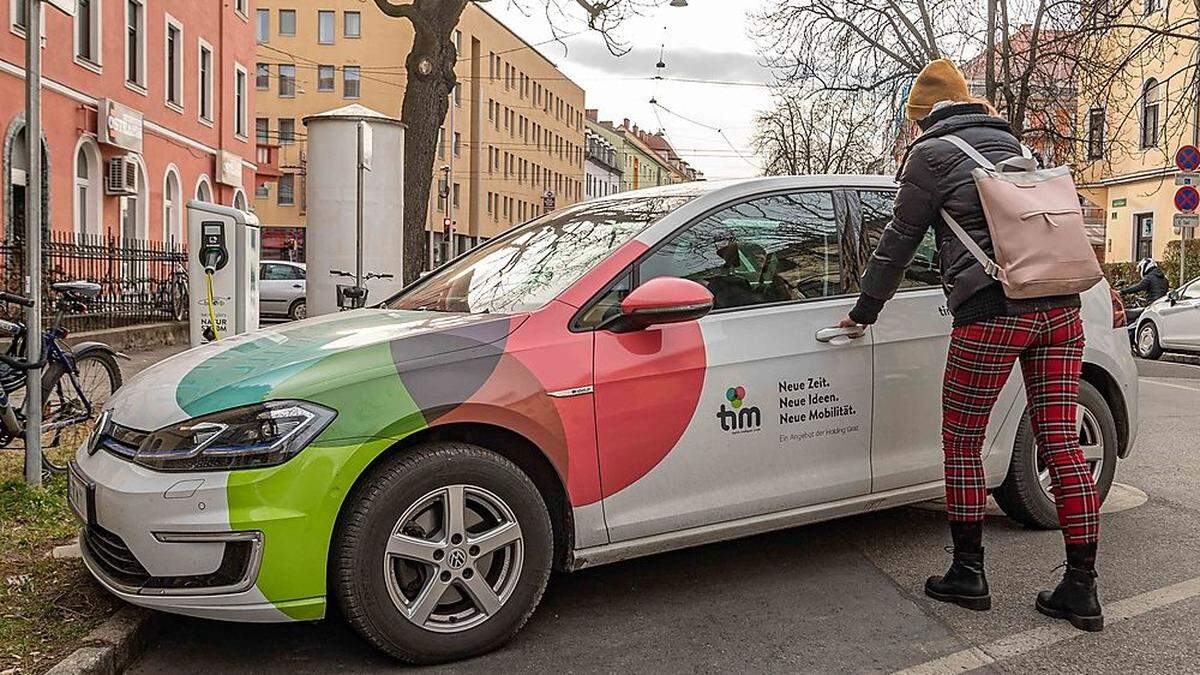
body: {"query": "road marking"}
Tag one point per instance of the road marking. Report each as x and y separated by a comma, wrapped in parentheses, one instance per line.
(1044, 636)
(1168, 384)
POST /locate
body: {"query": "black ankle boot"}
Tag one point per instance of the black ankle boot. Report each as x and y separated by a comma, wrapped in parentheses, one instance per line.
(1074, 600)
(964, 583)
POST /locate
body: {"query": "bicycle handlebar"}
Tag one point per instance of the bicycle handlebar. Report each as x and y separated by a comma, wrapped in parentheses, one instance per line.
(15, 299)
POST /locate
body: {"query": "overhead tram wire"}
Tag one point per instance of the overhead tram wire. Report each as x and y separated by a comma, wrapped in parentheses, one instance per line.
(710, 127)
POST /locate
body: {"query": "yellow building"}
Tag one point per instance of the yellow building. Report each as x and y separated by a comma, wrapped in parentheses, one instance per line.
(1131, 130)
(517, 141)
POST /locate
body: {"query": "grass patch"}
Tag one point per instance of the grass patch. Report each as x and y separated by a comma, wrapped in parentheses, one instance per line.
(46, 605)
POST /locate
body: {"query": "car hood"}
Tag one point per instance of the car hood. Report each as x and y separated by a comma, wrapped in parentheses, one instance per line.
(296, 360)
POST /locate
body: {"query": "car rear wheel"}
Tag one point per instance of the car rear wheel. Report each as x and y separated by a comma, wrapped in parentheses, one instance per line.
(443, 553)
(1148, 346)
(298, 310)
(1026, 494)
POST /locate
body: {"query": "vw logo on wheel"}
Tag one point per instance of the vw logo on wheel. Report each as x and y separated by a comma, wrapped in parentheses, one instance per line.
(456, 559)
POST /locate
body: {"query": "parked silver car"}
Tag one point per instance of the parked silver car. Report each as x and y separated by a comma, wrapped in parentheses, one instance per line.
(1171, 323)
(282, 291)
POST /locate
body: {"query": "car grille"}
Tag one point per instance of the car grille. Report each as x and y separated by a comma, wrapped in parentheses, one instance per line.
(112, 555)
(118, 563)
(121, 441)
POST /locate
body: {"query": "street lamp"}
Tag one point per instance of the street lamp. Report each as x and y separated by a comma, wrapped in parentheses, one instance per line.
(674, 3)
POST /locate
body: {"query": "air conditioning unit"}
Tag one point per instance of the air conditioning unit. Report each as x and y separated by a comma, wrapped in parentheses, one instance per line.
(122, 178)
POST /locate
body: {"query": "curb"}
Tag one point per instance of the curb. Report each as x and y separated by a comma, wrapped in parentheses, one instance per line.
(112, 645)
(1189, 359)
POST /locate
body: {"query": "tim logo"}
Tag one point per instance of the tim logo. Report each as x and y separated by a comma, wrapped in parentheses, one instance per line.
(738, 417)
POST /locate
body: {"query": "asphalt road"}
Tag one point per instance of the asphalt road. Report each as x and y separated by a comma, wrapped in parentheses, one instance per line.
(842, 596)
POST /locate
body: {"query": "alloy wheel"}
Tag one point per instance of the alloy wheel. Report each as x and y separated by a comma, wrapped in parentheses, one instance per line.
(453, 558)
(1091, 442)
(1146, 340)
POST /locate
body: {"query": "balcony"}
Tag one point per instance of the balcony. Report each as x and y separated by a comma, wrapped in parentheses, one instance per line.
(266, 156)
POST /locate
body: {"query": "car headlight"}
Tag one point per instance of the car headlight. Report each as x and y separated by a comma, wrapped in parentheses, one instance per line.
(254, 436)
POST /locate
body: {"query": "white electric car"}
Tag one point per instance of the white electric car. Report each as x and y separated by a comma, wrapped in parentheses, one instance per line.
(1171, 323)
(638, 373)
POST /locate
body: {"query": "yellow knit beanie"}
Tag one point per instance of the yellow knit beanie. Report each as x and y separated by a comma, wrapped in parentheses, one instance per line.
(939, 81)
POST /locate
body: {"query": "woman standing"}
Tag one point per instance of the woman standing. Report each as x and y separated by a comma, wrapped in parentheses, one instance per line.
(991, 332)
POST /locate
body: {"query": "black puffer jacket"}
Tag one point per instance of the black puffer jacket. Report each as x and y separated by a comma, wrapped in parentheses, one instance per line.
(1154, 285)
(937, 175)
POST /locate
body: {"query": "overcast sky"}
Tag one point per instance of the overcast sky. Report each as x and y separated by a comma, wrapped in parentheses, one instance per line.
(707, 40)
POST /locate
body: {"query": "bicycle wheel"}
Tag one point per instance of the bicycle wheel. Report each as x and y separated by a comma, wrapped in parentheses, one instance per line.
(66, 418)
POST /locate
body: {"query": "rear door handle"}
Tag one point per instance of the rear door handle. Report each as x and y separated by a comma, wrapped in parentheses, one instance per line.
(297, 286)
(833, 332)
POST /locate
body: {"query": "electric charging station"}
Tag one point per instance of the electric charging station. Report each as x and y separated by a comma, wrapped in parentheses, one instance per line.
(223, 251)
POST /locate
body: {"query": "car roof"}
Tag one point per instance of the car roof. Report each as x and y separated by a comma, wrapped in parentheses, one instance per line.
(741, 186)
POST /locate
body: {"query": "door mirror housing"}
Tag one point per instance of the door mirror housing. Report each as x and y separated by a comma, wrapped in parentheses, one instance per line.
(662, 300)
(1173, 297)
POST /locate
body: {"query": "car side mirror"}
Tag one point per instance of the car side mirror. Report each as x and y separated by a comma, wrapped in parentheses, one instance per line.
(662, 300)
(1173, 297)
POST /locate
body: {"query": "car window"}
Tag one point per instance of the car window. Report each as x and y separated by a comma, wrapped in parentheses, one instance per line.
(925, 269)
(533, 263)
(271, 272)
(608, 305)
(291, 272)
(777, 248)
(1192, 292)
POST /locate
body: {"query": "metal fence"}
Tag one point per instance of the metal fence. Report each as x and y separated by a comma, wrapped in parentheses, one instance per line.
(140, 281)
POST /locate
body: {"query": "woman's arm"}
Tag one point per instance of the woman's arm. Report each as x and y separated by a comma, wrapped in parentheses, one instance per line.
(916, 206)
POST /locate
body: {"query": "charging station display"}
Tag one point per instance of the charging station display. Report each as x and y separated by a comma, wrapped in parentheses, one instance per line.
(222, 271)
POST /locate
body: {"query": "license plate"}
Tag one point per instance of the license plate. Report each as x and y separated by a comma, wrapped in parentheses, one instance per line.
(78, 493)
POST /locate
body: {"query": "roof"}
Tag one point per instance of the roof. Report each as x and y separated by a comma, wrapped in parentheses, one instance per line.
(763, 184)
(354, 111)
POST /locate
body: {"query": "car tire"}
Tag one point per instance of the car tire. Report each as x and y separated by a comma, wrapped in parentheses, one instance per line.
(1148, 346)
(298, 310)
(1022, 495)
(380, 591)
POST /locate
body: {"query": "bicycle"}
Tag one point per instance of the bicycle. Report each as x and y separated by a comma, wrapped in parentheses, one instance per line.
(354, 297)
(76, 382)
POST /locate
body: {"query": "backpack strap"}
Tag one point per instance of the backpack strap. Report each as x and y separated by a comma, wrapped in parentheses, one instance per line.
(989, 265)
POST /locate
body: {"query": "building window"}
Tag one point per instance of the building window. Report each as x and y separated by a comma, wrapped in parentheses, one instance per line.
(458, 42)
(172, 220)
(350, 81)
(206, 84)
(325, 78)
(1143, 243)
(203, 189)
(87, 29)
(20, 15)
(239, 6)
(454, 195)
(287, 80)
(287, 130)
(135, 43)
(286, 194)
(457, 143)
(491, 65)
(352, 24)
(88, 193)
(239, 101)
(239, 200)
(262, 25)
(1095, 137)
(262, 76)
(174, 62)
(457, 96)
(1150, 114)
(287, 22)
(262, 130)
(262, 191)
(1153, 6)
(325, 27)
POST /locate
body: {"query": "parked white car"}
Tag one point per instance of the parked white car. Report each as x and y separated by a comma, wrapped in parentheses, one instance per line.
(283, 288)
(1171, 323)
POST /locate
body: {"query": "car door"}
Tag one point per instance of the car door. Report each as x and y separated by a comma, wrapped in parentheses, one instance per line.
(274, 285)
(1180, 321)
(293, 289)
(761, 406)
(911, 339)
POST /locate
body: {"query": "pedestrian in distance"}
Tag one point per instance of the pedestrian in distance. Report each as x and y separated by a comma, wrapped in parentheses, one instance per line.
(991, 332)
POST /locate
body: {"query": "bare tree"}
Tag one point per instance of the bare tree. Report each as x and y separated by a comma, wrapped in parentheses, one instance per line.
(819, 133)
(431, 79)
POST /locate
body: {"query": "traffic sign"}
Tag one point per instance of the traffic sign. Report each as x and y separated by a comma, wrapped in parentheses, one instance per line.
(1187, 198)
(1186, 220)
(1187, 158)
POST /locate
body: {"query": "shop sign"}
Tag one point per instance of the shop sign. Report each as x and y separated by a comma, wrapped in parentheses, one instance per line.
(120, 125)
(229, 169)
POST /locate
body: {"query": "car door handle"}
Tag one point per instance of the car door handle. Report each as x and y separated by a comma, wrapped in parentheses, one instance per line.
(829, 334)
(297, 286)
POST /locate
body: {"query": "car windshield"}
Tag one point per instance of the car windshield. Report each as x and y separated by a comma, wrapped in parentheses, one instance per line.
(533, 263)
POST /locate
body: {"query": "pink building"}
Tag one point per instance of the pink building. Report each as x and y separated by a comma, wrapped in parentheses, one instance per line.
(146, 104)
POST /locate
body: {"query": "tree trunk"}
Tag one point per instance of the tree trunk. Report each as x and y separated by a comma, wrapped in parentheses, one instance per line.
(426, 100)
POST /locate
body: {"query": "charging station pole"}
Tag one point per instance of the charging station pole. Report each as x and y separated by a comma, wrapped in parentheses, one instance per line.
(33, 239)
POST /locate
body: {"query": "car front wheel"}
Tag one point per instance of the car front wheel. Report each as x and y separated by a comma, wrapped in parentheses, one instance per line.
(443, 553)
(1026, 494)
(298, 310)
(1148, 346)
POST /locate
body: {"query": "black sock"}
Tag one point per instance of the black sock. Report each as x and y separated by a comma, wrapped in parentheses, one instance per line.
(1082, 556)
(967, 536)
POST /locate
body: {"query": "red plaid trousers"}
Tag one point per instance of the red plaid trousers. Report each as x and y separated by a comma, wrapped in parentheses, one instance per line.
(1050, 347)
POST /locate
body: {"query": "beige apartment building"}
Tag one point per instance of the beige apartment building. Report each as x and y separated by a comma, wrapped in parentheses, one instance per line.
(514, 138)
